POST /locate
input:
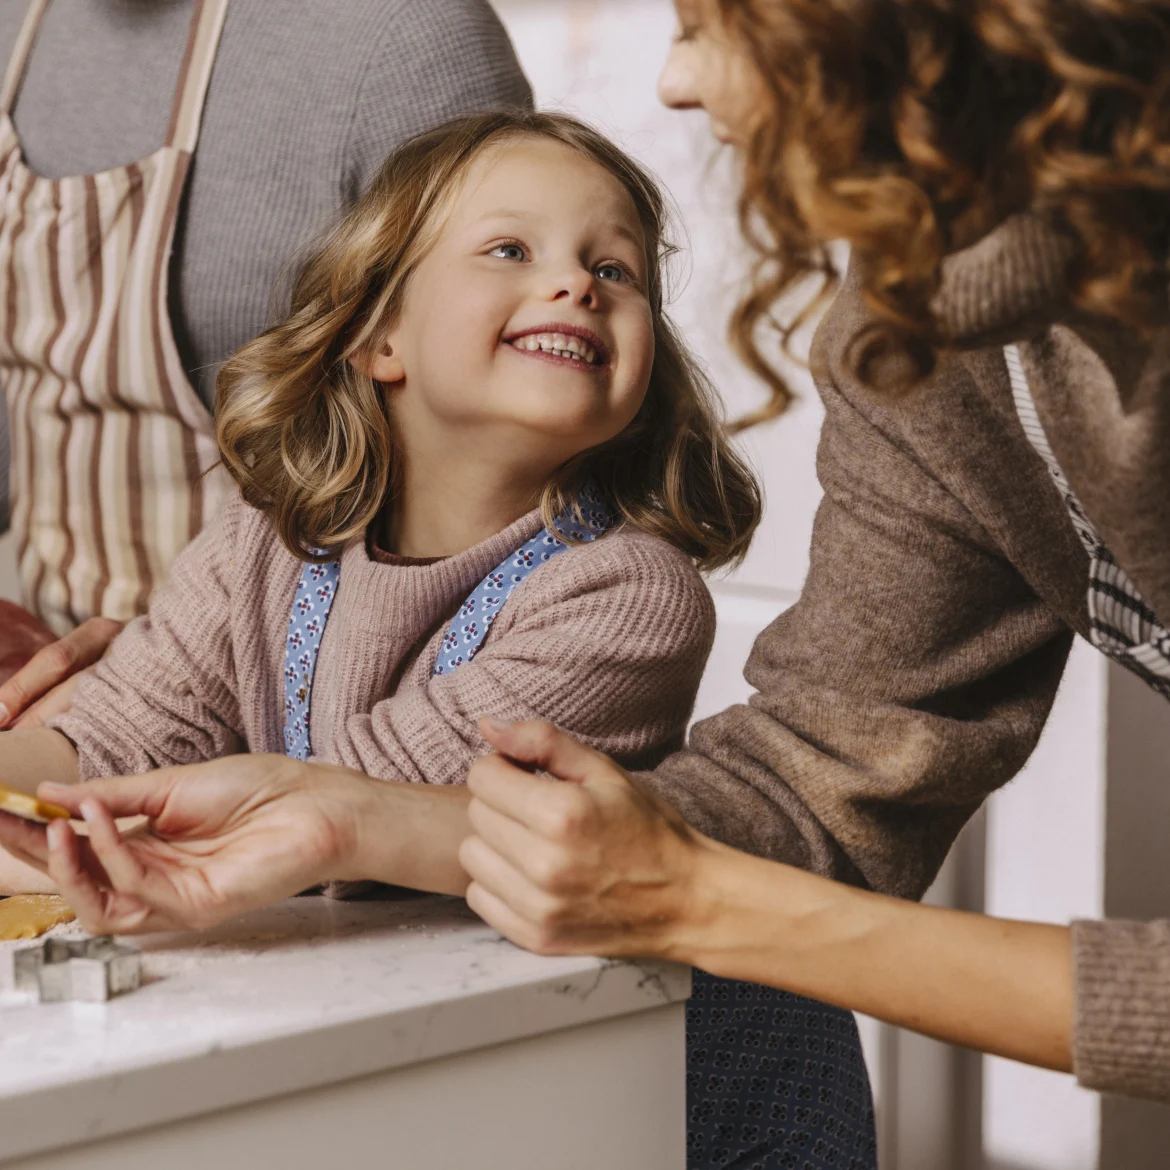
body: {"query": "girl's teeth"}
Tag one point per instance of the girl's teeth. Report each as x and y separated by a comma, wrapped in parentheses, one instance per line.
(559, 344)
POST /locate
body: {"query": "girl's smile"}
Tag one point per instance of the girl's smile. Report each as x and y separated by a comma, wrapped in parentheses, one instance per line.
(572, 346)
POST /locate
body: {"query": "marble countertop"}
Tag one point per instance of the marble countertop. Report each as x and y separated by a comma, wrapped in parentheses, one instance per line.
(307, 993)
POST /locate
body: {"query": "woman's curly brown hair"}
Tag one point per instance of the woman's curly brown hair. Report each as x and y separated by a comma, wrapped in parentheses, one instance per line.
(910, 128)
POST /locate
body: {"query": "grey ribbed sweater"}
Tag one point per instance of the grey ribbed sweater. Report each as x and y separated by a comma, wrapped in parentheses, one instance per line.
(306, 100)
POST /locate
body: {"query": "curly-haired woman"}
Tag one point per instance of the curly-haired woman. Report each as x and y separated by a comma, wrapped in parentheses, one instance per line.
(994, 458)
(996, 466)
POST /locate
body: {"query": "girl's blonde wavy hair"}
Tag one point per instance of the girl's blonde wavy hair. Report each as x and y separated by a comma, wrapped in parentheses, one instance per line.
(307, 436)
(911, 127)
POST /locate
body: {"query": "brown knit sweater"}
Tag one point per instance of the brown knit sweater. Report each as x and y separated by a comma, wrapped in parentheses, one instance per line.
(915, 673)
(608, 640)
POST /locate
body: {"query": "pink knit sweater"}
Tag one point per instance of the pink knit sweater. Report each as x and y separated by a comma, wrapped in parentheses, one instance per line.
(607, 640)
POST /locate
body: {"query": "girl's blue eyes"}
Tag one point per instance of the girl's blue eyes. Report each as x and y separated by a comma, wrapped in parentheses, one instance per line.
(613, 272)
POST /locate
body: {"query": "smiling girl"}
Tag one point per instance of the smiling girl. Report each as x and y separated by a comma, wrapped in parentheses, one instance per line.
(477, 471)
(480, 470)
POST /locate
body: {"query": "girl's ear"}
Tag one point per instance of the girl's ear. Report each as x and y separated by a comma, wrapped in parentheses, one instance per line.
(383, 365)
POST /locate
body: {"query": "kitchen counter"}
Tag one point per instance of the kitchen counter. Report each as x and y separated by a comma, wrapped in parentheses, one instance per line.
(317, 1028)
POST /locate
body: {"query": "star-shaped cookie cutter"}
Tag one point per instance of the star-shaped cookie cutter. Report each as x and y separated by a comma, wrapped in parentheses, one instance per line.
(85, 970)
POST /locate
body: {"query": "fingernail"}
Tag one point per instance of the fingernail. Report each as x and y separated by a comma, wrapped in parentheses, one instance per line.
(498, 724)
(51, 788)
(89, 810)
(5, 715)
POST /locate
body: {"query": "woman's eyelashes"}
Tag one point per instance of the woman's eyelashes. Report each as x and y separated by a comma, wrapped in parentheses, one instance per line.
(608, 270)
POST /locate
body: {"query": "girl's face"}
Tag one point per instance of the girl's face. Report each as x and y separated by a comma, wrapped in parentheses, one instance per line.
(527, 326)
(707, 70)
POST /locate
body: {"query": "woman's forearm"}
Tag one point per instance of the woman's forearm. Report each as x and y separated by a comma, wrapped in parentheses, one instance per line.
(409, 835)
(32, 757)
(999, 986)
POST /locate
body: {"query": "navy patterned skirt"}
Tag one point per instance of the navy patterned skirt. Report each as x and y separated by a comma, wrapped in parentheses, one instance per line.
(774, 1082)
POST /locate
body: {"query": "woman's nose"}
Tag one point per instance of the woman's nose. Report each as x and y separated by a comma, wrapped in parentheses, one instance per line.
(676, 82)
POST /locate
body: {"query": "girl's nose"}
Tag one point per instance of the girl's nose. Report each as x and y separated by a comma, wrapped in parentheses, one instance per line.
(579, 287)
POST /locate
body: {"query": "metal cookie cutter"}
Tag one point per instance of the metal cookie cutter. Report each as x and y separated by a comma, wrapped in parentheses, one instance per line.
(87, 970)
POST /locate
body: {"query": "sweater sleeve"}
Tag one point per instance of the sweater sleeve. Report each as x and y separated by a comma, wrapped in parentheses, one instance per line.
(435, 61)
(1121, 1042)
(166, 692)
(911, 678)
(608, 642)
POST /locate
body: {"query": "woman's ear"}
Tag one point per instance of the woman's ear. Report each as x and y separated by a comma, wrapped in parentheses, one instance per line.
(383, 365)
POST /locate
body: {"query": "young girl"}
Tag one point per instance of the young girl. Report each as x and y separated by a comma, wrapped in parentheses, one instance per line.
(477, 471)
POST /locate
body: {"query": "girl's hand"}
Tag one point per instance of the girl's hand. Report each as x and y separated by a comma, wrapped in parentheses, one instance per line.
(49, 668)
(598, 865)
(226, 837)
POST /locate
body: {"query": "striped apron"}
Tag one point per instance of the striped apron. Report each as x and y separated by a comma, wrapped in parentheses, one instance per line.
(110, 442)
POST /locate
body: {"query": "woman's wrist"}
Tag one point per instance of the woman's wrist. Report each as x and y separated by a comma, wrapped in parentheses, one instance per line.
(756, 919)
(403, 834)
(350, 805)
(710, 915)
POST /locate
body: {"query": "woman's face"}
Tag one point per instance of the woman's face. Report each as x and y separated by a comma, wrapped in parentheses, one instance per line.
(707, 70)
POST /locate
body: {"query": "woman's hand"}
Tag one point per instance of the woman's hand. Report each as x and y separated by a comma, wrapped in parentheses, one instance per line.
(44, 685)
(226, 837)
(602, 866)
(598, 865)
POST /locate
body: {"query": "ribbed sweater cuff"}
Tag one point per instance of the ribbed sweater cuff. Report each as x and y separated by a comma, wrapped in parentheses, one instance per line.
(1122, 1037)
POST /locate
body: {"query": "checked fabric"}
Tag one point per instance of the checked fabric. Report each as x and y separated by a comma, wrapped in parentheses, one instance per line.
(1122, 625)
(774, 1082)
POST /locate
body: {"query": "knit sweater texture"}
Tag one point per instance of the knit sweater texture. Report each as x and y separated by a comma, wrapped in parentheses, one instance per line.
(306, 101)
(916, 671)
(607, 640)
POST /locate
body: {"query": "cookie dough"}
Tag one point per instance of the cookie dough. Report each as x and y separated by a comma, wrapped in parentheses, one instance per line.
(30, 915)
